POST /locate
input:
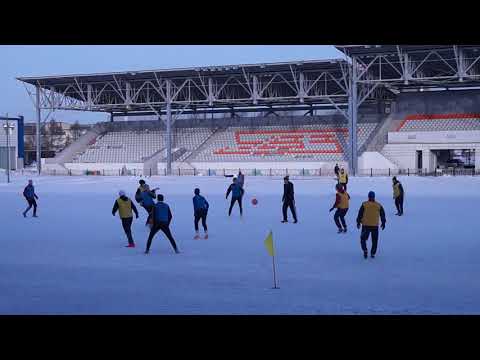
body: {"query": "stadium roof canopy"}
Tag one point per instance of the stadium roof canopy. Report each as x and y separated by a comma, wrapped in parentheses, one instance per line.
(401, 66)
(229, 86)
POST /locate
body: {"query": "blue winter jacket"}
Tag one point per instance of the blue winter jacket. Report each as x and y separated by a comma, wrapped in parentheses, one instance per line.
(162, 212)
(236, 190)
(200, 203)
(29, 192)
(147, 199)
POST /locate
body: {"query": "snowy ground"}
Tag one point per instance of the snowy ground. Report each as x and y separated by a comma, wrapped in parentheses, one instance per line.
(71, 259)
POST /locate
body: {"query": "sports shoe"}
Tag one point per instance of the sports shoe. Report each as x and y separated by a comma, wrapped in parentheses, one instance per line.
(130, 246)
(295, 222)
(345, 230)
(206, 236)
(196, 237)
(284, 221)
(365, 255)
(372, 256)
(340, 231)
(177, 251)
(146, 252)
(24, 214)
(35, 215)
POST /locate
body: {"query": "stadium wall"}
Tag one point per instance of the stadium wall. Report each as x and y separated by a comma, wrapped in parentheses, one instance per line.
(434, 137)
(438, 102)
(401, 147)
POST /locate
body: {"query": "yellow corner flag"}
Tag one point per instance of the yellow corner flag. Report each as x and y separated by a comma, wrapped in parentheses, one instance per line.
(269, 244)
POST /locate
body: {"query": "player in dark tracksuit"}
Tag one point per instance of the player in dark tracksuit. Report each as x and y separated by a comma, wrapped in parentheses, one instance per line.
(368, 216)
(341, 204)
(200, 211)
(237, 194)
(30, 196)
(241, 179)
(336, 170)
(125, 206)
(162, 216)
(398, 195)
(288, 200)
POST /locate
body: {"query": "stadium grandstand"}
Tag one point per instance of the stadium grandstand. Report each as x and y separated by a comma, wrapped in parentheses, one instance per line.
(395, 108)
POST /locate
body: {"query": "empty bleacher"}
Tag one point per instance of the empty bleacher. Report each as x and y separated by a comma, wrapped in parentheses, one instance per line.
(319, 142)
(440, 122)
(135, 146)
(320, 138)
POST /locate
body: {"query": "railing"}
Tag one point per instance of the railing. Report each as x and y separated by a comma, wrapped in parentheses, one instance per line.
(261, 172)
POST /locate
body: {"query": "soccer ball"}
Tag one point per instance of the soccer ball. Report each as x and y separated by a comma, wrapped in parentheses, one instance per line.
(254, 201)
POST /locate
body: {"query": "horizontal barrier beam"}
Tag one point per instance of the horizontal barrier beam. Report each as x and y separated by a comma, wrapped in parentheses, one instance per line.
(297, 172)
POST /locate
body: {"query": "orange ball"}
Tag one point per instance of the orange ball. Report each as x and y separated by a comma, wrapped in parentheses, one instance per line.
(254, 201)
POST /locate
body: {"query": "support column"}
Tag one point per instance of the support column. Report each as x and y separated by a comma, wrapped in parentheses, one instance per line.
(426, 159)
(255, 89)
(210, 92)
(477, 159)
(39, 119)
(301, 86)
(406, 69)
(169, 129)
(352, 121)
(21, 139)
(89, 97)
(461, 65)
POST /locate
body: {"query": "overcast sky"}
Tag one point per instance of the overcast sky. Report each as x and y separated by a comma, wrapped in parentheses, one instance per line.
(16, 61)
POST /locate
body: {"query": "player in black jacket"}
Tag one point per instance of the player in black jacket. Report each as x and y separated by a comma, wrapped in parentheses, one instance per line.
(288, 200)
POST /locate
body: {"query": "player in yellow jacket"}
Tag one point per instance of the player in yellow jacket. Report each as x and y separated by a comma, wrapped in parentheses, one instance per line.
(125, 206)
(343, 178)
(341, 204)
(398, 195)
(368, 217)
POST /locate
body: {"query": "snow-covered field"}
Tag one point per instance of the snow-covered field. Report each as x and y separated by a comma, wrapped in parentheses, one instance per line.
(72, 260)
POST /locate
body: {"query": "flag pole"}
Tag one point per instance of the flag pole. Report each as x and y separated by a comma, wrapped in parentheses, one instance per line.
(274, 277)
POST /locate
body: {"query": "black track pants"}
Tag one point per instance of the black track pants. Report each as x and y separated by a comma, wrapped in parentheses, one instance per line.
(127, 227)
(340, 217)
(289, 204)
(166, 230)
(201, 215)
(366, 231)
(232, 202)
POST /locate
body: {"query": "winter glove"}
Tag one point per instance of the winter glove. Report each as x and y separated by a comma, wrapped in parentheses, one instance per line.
(136, 216)
(383, 226)
(330, 210)
(36, 197)
(358, 225)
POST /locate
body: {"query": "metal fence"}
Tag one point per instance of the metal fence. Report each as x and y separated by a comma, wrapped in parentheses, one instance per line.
(261, 172)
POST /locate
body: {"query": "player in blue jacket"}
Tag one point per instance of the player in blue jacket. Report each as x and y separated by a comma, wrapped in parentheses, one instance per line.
(237, 194)
(200, 211)
(162, 216)
(30, 196)
(147, 196)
